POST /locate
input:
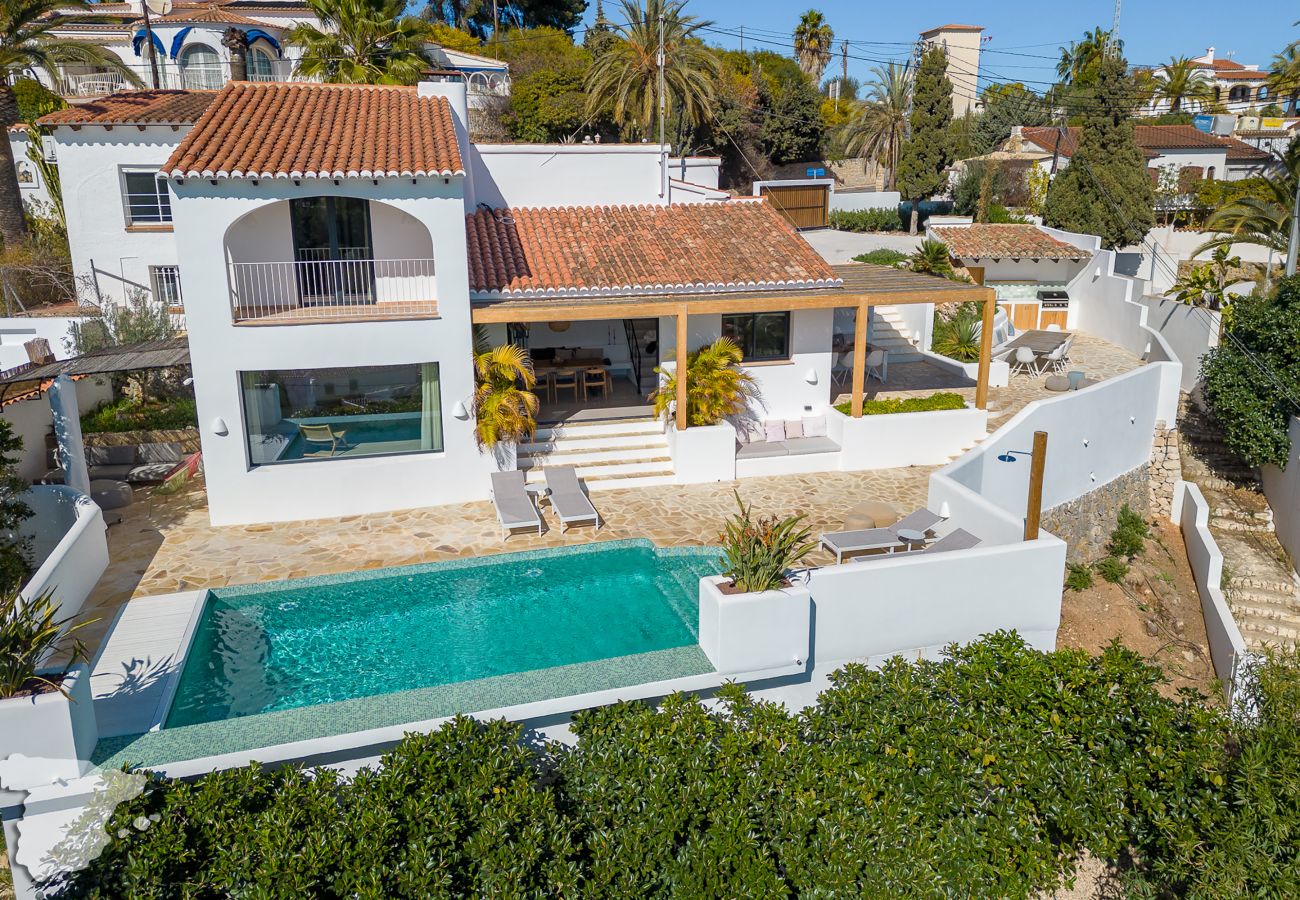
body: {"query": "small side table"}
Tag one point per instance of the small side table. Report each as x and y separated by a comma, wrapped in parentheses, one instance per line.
(911, 536)
(539, 492)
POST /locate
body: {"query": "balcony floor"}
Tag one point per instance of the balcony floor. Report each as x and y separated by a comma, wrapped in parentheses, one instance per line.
(318, 315)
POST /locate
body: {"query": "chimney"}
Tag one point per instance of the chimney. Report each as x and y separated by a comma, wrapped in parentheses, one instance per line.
(1209, 54)
(451, 85)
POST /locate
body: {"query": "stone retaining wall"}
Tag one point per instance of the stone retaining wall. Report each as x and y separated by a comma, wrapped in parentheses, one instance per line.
(1166, 470)
(188, 438)
(1085, 523)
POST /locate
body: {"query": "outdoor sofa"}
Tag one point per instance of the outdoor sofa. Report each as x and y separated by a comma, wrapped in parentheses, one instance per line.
(149, 463)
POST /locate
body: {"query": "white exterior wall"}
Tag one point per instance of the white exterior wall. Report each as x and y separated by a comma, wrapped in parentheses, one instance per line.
(783, 390)
(31, 420)
(1189, 331)
(91, 162)
(1282, 488)
(31, 183)
(219, 350)
(69, 547)
(539, 175)
(701, 170)
(857, 200)
(1203, 158)
(15, 331)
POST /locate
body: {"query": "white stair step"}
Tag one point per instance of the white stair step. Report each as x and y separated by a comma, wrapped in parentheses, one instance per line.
(595, 442)
(608, 427)
(664, 476)
(594, 471)
(596, 455)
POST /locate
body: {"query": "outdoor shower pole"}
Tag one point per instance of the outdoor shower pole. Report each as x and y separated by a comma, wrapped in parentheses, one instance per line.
(1036, 465)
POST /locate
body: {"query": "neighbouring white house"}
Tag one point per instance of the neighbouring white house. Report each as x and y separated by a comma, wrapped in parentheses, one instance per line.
(331, 270)
(1038, 273)
(191, 48)
(1238, 87)
(1189, 152)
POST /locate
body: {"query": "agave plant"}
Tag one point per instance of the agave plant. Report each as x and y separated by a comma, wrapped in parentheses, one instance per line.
(958, 338)
(504, 404)
(757, 553)
(716, 386)
(29, 635)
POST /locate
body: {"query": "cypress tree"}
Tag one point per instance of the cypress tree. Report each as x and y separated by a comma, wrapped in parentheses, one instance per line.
(1106, 190)
(927, 152)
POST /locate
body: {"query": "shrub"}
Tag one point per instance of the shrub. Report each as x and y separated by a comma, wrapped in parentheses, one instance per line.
(882, 257)
(1078, 577)
(15, 548)
(716, 385)
(29, 632)
(756, 554)
(981, 775)
(957, 335)
(35, 99)
(866, 220)
(1128, 540)
(1112, 569)
(130, 414)
(888, 405)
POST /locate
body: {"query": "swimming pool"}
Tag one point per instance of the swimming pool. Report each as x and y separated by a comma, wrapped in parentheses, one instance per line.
(284, 645)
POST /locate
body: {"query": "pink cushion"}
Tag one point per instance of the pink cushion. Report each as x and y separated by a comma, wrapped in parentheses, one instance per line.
(814, 426)
(774, 431)
(793, 428)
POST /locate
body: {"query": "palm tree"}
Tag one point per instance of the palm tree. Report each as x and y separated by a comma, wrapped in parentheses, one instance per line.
(879, 123)
(504, 410)
(1284, 80)
(1081, 58)
(1179, 82)
(1262, 221)
(362, 42)
(26, 44)
(812, 44)
(716, 386)
(626, 74)
(931, 258)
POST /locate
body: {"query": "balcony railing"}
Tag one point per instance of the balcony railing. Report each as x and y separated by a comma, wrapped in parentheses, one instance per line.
(332, 290)
(171, 76)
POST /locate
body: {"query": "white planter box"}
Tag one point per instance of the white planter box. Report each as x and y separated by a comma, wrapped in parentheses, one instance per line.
(750, 633)
(703, 453)
(52, 727)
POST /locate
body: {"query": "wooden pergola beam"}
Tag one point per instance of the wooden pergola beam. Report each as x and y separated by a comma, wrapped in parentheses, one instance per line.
(859, 358)
(683, 320)
(986, 352)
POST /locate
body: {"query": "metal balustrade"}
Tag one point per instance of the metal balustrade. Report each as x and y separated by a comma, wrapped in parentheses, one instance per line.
(332, 289)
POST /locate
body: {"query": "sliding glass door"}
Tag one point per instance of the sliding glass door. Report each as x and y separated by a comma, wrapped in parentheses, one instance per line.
(333, 250)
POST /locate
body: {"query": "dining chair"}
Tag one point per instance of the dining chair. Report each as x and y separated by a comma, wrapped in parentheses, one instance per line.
(1055, 361)
(878, 365)
(1053, 327)
(1065, 352)
(595, 378)
(546, 385)
(565, 380)
(1025, 361)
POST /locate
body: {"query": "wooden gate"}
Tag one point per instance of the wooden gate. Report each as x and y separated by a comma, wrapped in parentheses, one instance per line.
(803, 205)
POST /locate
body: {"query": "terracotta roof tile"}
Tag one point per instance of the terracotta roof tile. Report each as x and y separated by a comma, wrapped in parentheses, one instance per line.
(597, 250)
(274, 130)
(136, 108)
(1005, 242)
(1240, 151)
(1151, 139)
(207, 15)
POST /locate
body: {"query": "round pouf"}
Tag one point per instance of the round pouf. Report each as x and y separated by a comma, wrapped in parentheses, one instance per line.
(1057, 383)
(110, 494)
(870, 515)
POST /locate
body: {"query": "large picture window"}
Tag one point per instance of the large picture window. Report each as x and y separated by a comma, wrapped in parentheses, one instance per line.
(310, 414)
(764, 337)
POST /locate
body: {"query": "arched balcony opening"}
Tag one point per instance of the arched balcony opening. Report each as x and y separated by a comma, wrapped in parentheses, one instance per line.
(329, 258)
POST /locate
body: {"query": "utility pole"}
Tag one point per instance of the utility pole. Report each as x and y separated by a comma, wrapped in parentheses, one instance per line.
(663, 153)
(844, 61)
(148, 39)
(1114, 29)
(742, 38)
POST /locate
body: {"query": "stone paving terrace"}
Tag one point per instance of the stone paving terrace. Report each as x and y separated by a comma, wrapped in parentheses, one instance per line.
(166, 544)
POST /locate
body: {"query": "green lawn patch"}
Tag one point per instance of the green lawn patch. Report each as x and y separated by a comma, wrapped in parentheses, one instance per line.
(941, 400)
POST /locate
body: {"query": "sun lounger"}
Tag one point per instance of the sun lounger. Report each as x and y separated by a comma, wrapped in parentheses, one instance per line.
(870, 539)
(515, 508)
(957, 539)
(568, 499)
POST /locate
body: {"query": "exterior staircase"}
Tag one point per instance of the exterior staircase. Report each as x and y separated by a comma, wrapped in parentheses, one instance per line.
(608, 453)
(889, 332)
(1262, 590)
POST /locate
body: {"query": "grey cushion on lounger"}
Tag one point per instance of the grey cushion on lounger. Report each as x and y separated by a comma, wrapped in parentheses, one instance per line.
(801, 446)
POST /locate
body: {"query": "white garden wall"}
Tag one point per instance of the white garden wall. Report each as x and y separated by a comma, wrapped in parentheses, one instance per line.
(1227, 647)
(1189, 331)
(703, 453)
(69, 546)
(850, 201)
(905, 439)
(15, 331)
(1282, 488)
(532, 175)
(31, 421)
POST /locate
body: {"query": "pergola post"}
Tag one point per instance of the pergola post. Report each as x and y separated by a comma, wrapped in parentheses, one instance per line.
(986, 352)
(859, 358)
(682, 322)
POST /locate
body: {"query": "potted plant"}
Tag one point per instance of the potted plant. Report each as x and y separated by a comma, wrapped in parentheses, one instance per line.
(505, 408)
(45, 710)
(754, 618)
(716, 386)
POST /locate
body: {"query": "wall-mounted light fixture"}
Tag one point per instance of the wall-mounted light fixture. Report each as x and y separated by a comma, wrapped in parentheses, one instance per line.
(460, 411)
(219, 427)
(811, 376)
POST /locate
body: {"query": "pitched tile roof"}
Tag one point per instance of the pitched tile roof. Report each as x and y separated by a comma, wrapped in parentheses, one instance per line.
(1151, 139)
(1005, 242)
(301, 130)
(598, 250)
(207, 15)
(1240, 151)
(135, 108)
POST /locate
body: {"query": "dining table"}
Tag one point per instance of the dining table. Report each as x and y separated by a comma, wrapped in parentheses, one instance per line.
(1039, 341)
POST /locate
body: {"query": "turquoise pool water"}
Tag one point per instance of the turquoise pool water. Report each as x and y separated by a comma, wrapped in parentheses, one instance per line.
(283, 645)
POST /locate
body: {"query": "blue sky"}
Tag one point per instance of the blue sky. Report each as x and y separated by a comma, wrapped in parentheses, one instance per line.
(1152, 31)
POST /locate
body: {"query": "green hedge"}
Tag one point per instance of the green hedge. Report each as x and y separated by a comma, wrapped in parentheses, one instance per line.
(882, 257)
(942, 400)
(149, 415)
(983, 775)
(866, 220)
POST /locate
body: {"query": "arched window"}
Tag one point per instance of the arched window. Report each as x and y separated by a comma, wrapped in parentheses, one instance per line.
(1239, 94)
(1262, 93)
(201, 68)
(260, 67)
(1209, 174)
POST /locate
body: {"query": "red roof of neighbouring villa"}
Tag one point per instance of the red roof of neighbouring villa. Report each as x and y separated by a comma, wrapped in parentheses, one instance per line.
(598, 250)
(985, 241)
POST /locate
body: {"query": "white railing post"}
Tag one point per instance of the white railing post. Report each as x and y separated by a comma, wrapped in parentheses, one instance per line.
(316, 288)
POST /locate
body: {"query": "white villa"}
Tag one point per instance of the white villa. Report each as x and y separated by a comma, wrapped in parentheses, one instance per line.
(1240, 87)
